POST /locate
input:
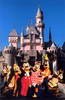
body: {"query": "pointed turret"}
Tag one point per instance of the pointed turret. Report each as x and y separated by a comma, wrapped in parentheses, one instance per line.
(27, 29)
(39, 13)
(50, 37)
(22, 34)
(13, 33)
(13, 38)
(21, 40)
(39, 24)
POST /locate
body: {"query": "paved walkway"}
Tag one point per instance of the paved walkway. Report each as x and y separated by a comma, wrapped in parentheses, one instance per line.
(25, 98)
(61, 96)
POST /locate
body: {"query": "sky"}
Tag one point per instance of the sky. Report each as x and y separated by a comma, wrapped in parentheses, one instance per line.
(17, 14)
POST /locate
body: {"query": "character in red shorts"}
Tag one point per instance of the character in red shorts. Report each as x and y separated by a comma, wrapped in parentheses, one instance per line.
(25, 81)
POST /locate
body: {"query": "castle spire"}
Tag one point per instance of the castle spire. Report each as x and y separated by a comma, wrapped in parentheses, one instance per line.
(40, 24)
(50, 36)
(39, 13)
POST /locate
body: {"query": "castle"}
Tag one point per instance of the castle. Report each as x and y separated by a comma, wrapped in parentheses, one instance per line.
(32, 44)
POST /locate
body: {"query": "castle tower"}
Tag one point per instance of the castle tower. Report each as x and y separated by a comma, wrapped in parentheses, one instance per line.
(9, 53)
(13, 38)
(39, 24)
(22, 41)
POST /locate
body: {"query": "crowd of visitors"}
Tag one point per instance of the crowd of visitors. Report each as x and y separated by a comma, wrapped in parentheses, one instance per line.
(27, 80)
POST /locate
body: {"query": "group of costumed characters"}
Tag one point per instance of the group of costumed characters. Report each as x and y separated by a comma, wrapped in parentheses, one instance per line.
(29, 81)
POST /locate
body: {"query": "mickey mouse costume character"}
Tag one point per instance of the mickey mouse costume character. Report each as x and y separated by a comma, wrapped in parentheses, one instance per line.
(25, 81)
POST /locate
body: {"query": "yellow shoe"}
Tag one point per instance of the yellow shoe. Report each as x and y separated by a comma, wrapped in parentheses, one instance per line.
(34, 96)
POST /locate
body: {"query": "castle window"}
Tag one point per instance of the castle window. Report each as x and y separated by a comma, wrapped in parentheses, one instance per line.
(40, 21)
